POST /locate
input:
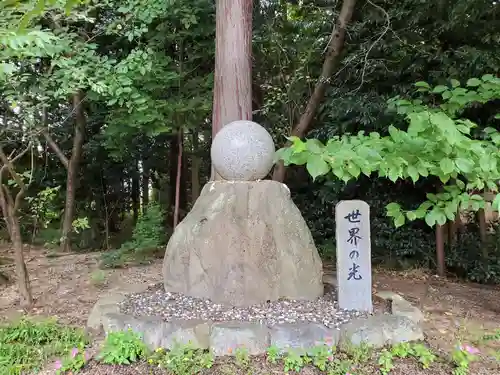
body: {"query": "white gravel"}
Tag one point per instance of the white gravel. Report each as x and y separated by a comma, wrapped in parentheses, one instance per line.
(174, 306)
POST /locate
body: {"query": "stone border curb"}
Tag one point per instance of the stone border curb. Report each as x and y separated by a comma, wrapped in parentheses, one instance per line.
(223, 338)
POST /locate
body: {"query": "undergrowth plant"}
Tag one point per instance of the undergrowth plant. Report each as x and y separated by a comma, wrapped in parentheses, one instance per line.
(122, 348)
(462, 356)
(147, 237)
(182, 359)
(73, 362)
(26, 345)
(242, 358)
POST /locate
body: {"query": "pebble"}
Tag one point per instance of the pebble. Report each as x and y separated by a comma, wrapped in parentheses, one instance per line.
(175, 306)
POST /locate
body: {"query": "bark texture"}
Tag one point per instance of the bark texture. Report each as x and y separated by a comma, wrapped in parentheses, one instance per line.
(73, 165)
(9, 204)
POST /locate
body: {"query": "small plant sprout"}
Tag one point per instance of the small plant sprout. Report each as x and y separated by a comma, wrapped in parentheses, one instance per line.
(98, 278)
(122, 348)
(273, 354)
(462, 356)
(242, 357)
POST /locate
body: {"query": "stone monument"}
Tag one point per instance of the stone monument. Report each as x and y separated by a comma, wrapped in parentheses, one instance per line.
(244, 242)
(354, 260)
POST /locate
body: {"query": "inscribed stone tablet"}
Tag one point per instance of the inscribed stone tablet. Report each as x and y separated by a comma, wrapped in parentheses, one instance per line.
(354, 266)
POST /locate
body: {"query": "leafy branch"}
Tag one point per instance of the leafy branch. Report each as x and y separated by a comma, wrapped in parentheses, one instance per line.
(436, 143)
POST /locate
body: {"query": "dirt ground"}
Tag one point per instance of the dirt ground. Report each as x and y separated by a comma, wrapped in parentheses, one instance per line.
(67, 287)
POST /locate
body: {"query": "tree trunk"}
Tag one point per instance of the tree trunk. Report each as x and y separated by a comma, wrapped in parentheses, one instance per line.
(73, 164)
(195, 169)
(9, 206)
(178, 180)
(233, 64)
(483, 231)
(135, 193)
(174, 153)
(454, 229)
(23, 281)
(440, 258)
(145, 187)
(332, 59)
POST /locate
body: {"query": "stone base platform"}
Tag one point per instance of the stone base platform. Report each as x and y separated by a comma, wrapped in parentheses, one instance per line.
(223, 338)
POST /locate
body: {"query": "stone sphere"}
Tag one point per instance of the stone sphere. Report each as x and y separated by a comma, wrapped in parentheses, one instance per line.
(242, 151)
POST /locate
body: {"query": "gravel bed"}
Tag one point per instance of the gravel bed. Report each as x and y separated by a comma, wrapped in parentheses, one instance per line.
(174, 306)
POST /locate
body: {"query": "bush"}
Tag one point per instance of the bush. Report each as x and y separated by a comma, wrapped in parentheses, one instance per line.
(122, 348)
(466, 258)
(27, 344)
(147, 237)
(397, 247)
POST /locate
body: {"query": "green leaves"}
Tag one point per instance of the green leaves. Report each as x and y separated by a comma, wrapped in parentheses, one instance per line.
(437, 143)
(394, 211)
(317, 166)
(447, 166)
(419, 122)
(473, 82)
(464, 165)
(435, 217)
(496, 203)
(439, 89)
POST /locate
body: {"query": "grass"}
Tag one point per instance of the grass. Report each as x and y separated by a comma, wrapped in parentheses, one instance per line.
(26, 345)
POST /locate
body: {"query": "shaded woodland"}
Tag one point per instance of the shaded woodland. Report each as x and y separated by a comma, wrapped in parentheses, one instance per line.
(106, 119)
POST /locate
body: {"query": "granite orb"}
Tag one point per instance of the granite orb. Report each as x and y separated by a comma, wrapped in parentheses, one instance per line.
(242, 151)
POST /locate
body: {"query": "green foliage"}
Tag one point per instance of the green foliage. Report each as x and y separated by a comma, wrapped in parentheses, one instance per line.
(27, 344)
(242, 358)
(73, 362)
(149, 232)
(98, 278)
(147, 237)
(42, 207)
(436, 143)
(182, 360)
(293, 361)
(273, 354)
(462, 356)
(385, 361)
(466, 258)
(122, 348)
(79, 224)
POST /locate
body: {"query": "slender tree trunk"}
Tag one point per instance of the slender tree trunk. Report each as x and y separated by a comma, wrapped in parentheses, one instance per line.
(9, 206)
(73, 164)
(440, 258)
(483, 230)
(23, 281)
(145, 187)
(332, 59)
(174, 153)
(233, 64)
(178, 181)
(195, 169)
(183, 184)
(135, 193)
(454, 229)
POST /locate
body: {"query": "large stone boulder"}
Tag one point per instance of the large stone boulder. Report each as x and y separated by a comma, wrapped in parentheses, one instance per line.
(243, 243)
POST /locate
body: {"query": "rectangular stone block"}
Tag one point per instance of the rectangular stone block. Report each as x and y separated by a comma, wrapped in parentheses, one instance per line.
(301, 337)
(354, 263)
(191, 332)
(227, 337)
